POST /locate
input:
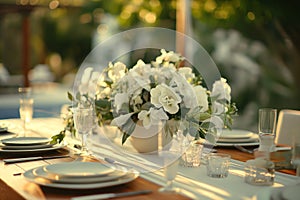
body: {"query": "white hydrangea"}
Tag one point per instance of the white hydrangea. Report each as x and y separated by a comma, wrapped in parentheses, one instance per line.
(221, 90)
(202, 97)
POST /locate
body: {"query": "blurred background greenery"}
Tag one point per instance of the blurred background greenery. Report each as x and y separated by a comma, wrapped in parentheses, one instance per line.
(255, 44)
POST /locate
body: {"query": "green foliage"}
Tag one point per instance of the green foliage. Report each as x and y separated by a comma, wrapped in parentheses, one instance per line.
(58, 138)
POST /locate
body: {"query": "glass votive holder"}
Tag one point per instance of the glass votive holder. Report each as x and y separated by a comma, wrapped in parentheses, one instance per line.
(192, 156)
(218, 165)
(259, 172)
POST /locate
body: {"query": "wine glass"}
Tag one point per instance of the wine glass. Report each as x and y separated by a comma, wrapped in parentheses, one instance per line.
(266, 129)
(170, 164)
(84, 122)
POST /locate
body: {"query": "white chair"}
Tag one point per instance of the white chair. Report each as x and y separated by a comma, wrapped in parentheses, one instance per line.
(288, 127)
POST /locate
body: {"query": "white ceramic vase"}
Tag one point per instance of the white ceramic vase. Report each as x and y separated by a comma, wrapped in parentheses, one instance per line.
(152, 139)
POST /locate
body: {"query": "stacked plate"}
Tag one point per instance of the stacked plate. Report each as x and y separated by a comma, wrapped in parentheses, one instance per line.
(237, 137)
(27, 144)
(79, 175)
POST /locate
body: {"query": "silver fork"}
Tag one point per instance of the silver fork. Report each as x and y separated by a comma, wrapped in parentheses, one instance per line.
(241, 148)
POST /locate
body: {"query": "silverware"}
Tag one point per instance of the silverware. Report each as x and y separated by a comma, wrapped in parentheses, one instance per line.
(111, 195)
(239, 147)
(112, 161)
(18, 160)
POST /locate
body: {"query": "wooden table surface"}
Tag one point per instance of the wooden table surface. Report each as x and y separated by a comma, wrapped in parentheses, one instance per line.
(11, 185)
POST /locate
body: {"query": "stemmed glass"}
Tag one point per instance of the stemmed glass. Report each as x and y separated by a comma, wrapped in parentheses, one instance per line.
(170, 164)
(84, 122)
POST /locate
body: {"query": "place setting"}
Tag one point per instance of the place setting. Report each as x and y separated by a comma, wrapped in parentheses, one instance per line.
(28, 145)
(80, 175)
(239, 137)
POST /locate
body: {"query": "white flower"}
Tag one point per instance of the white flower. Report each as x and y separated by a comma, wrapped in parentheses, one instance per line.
(182, 87)
(164, 96)
(141, 69)
(120, 99)
(104, 93)
(116, 71)
(186, 72)
(152, 117)
(138, 78)
(167, 57)
(221, 90)
(202, 97)
(137, 100)
(218, 108)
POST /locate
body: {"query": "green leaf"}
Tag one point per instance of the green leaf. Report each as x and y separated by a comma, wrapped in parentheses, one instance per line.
(127, 129)
(204, 116)
(70, 97)
(58, 138)
(103, 103)
(206, 125)
(125, 137)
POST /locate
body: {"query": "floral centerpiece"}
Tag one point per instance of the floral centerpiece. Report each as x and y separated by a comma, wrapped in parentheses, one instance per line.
(150, 93)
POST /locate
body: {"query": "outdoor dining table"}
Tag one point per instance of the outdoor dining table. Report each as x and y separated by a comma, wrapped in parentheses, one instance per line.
(193, 181)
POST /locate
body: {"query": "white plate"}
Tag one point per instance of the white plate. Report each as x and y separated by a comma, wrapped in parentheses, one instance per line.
(236, 133)
(253, 138)
(39, 172)
(3, 129)
(227, 144)
(26, 141)
(22, 147)
(78, 169)
(55, 147)
(45, 182)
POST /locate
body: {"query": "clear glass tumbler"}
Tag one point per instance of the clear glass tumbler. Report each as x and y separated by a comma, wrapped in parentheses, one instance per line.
(218, 165)
(192, 156)
(296, 157)
(267, 120)
(26, 107)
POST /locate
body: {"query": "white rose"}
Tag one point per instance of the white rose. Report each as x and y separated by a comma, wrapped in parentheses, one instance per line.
(202, 97)
(221, 90)
(164, 96)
